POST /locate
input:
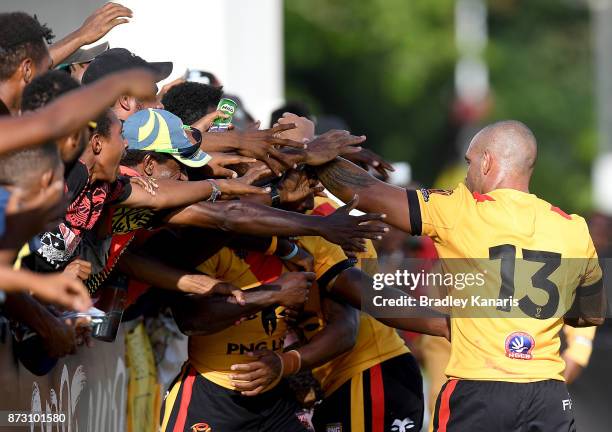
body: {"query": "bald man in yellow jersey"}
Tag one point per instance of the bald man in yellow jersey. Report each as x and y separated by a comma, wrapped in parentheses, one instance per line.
(505, 372)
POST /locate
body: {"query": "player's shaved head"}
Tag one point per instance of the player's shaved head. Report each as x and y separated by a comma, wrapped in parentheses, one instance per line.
(502, 155)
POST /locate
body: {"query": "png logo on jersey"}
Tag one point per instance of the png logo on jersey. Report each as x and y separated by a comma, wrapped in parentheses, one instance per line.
(201, 427)
(519, 345)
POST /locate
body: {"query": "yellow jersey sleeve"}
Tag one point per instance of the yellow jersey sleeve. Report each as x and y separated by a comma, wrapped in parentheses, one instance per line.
(592, 273)
(435, 212)
(329, 259)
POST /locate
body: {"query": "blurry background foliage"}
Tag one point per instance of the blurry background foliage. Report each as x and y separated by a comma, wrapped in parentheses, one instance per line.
(387, 68)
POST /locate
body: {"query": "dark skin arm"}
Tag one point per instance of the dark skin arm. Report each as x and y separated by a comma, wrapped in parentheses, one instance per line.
(344, 179)
(198, 315)
(59, 339)
(94, 28)
(72, 111)
(348, 287)
(161, 275)
(238, 216)
(175, 193)
(338, 336)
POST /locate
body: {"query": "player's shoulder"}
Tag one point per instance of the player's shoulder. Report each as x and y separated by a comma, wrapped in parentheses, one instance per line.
(557, 215)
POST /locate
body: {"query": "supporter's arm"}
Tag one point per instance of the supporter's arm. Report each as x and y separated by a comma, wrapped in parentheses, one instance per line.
(58, 289)
(175, 193)
(197, 315)
(161, 275)
(95, 27)
(338, 337)
(345, 179)
(59, 339)
(72, 111)
(348, 287)
(238, 216)
(258, 144)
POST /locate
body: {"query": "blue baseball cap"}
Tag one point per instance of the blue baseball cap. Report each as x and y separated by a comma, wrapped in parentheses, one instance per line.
(162, 132)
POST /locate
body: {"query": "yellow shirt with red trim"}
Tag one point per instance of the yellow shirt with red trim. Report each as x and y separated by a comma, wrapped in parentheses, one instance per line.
(213, 355)
(509, 228)
(375, 343)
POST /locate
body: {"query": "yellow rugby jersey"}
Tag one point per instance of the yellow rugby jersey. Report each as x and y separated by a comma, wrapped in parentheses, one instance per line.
(375, 343)
(213, 355)
(516, 344)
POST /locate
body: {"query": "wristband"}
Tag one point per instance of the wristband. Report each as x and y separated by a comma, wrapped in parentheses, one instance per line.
(291, 254)
(291, 362)
(216, 191)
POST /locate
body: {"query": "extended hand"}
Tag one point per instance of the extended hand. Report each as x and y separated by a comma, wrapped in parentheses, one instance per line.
(328, 146)
(349, 231)
(103, 20)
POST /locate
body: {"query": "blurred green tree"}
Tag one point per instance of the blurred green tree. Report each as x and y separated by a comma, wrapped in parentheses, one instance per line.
(387, 68)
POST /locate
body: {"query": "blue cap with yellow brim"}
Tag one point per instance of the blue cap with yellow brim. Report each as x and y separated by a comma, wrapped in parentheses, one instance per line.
(162, 132)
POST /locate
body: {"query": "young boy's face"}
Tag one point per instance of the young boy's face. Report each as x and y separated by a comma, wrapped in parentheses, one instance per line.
(113, 149)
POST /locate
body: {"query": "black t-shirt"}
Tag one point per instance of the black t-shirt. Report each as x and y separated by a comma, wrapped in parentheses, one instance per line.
(54, 249)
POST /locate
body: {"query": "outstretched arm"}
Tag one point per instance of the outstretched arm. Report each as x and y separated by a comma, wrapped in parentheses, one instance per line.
(95, 27)
(348, 287)
(345, 179)
(72, 111)
(198, 315)
(175, 193)
(238, 216)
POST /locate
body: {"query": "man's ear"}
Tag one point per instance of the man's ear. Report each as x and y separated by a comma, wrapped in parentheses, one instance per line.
(148, 165)
(27, 70)
(124, 102)
(46, 179)
(486, 162)
(96, 143)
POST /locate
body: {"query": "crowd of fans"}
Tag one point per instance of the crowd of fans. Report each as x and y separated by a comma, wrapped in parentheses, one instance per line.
(119, 201)
(117, 198)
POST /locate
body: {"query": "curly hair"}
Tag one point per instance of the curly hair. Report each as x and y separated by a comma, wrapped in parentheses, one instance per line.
(21, 36)
(45, 88)
(104, 123)
(191, 101)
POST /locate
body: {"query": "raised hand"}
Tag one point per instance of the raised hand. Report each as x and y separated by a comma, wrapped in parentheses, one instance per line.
(101, 21)
(329, 145)
(304, 128)
(261, 144)
(296, 186)
(219, 161)
(205, 122)
(349, 231)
